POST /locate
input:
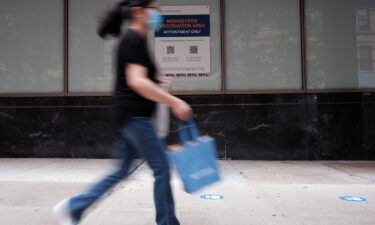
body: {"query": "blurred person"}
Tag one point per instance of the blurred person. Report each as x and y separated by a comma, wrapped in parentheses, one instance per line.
(136, 93)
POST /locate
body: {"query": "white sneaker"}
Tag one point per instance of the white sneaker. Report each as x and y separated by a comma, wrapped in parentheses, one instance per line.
(63, 214)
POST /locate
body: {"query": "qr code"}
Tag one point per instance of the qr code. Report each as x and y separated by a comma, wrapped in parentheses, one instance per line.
(170, 49)
(194, 49)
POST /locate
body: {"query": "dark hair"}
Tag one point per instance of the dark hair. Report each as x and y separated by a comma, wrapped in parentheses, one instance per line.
(110, 24)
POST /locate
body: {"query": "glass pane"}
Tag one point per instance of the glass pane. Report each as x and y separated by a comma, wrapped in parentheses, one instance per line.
(340, 44)
(263, 45)
(31, 49)
(90, 58)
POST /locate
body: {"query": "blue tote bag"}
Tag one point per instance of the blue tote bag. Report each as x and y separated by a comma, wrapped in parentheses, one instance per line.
(195, 159)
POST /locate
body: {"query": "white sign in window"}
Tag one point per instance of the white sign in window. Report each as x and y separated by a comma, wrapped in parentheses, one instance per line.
(182, 45)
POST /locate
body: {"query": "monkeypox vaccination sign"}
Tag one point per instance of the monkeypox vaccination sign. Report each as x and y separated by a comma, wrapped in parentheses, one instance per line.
(182, 45)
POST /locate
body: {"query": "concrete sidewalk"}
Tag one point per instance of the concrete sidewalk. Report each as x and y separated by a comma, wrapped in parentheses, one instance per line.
(257, 193)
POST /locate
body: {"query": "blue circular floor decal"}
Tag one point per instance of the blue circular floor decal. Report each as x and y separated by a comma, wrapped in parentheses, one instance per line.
(212, 197)
(353, 199)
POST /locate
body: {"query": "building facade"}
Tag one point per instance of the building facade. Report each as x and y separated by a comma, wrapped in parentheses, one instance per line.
(281, 79)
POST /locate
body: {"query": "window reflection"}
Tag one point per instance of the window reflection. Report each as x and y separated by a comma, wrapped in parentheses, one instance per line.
(340, 44)
(366, 46)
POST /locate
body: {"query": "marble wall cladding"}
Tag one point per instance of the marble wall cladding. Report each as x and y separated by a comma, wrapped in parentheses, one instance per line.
(253, 132)
(32, 132)
(258, 127)
(337, 131)
(267, 132)
(89, 132)
(368, 133)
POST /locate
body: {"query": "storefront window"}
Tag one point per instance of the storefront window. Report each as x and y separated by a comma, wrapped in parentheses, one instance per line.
(31, 49)
(340, 44)
(91, 59)
(263, 45)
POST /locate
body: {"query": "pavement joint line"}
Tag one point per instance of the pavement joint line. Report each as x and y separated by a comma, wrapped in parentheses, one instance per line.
(346, 175)
(351, 175)
(39, 167)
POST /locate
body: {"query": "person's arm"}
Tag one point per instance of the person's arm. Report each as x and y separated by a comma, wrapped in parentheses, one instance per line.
(165, 83)
(136, 77)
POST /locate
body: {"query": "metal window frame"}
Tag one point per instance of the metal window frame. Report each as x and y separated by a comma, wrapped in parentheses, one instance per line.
(224, 90)
(66, 46)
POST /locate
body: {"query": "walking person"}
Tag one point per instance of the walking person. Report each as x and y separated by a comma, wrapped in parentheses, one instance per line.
(135, 97)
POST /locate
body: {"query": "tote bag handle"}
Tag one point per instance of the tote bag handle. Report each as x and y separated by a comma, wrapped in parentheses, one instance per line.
(188, 131)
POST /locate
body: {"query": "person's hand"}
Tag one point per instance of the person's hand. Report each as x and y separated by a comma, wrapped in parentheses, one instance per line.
(182, 110)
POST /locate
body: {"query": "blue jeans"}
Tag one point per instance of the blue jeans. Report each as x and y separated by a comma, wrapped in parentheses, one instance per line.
(137, 136)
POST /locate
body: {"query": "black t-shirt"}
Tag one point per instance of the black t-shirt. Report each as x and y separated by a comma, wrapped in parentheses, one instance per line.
(132, 48)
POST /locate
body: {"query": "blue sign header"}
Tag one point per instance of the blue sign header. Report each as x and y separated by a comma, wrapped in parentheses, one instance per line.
(185, 26)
